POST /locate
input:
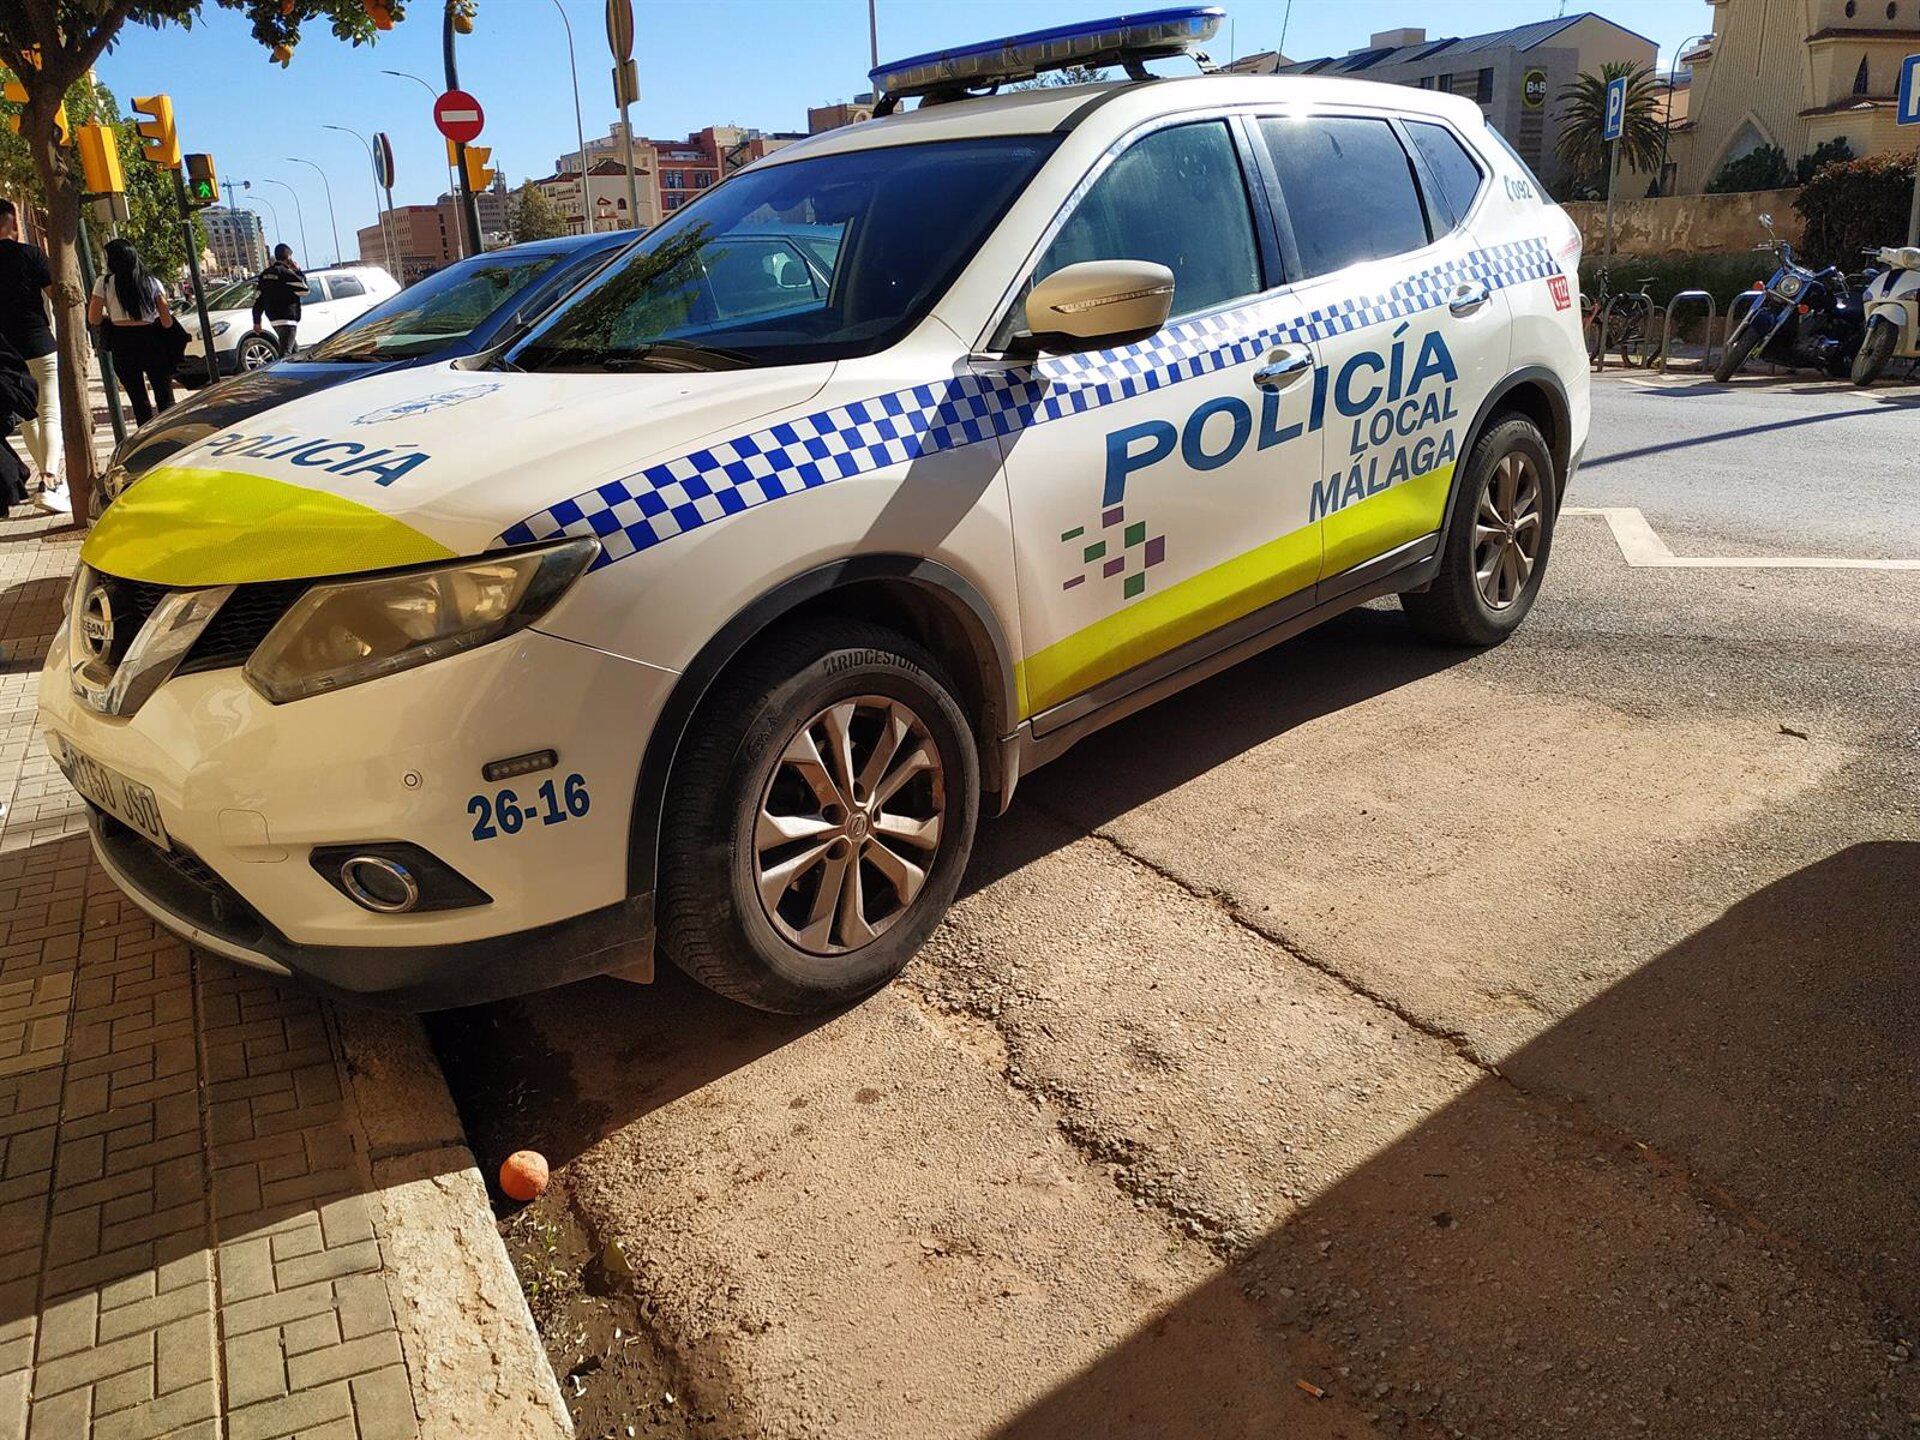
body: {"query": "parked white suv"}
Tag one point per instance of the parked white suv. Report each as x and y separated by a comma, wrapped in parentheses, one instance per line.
(335, 295)
(721, 604)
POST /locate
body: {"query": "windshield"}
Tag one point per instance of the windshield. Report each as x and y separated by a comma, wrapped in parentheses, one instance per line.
(237, 296)
(440, 309)
(812, 260)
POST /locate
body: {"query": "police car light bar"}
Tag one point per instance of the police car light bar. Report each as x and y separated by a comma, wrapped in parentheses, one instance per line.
(1125, 40)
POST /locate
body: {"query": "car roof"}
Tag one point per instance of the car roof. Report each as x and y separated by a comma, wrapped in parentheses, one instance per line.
(568, 244)
(1054, 108)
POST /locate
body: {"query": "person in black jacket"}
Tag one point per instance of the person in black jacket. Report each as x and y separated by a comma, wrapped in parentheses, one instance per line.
(19, 402)
(277, 294)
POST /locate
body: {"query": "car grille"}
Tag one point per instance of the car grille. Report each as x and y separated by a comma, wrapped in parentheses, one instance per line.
(239, 626)
(132, 601)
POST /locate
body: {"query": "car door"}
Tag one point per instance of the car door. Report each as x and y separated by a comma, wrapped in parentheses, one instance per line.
(1157, 494)
(1405, 306)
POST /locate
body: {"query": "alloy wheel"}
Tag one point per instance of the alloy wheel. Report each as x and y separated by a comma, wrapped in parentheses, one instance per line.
(256, 353)
(1507, 530)
(849, 824)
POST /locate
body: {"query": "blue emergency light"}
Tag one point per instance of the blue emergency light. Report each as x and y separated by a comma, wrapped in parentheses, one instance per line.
(1124, 40)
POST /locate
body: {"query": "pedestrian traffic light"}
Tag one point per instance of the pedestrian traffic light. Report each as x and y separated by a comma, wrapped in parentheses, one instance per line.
(157, 134)
(479, 173)
(100, 160)
(203, 187)
(17, 93)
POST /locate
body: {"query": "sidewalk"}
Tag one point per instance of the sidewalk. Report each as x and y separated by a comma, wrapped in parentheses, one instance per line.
(227, 1208)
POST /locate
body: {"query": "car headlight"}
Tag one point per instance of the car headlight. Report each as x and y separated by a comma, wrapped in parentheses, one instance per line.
(345, 632)
(220, 327)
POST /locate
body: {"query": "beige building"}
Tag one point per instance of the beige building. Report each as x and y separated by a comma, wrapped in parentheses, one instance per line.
(605, 189)
(1796, 74)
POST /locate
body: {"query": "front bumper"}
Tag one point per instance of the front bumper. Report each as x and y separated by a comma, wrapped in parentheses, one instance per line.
(189, 899)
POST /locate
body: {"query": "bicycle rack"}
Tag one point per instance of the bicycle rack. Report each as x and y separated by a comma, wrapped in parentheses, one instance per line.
(1666, 330)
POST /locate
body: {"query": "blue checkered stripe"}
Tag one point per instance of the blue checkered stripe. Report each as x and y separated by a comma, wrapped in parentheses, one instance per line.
(638, 511)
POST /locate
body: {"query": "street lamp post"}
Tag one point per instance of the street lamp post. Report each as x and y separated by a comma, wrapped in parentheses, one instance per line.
(453, 185)
(1666, 120)
(579, 127)
(386, 239)
(332, 223)
(306, 251)
(469, 211)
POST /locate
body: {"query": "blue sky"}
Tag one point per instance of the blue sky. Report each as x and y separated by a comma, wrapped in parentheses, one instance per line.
(748, 62)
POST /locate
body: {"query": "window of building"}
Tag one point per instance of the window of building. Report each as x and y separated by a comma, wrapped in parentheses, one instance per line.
(1349, 190)
(1207, 242)
(1454, 172)
(1852, 8)
(1483, 88)
(1860, 77)
(1426, 82)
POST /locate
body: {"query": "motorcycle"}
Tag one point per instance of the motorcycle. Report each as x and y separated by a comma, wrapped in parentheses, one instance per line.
(1805, 319)
(1892, 307)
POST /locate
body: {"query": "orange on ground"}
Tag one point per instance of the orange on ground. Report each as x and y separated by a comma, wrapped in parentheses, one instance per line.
(523, 1175)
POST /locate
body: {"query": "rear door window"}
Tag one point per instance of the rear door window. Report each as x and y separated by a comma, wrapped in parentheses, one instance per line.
(345, 286)
(1348, 188)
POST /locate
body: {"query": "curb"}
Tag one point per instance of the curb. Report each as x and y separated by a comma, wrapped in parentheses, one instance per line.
(474, 1359)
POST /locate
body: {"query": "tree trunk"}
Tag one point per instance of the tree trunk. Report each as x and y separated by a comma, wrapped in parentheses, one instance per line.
(62, 193)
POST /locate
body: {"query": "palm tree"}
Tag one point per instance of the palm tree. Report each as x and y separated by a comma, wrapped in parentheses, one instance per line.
(1583, 116)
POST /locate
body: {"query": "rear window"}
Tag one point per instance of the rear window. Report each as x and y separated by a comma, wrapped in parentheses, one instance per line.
(1454, 172)
(1349, 190)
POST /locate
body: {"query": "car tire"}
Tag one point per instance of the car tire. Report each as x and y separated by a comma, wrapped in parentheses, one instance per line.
(255, 351)
(1875, 351)
(760, 838)
(1499, 537)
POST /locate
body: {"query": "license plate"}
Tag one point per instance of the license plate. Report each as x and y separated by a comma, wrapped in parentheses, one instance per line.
(128, 801)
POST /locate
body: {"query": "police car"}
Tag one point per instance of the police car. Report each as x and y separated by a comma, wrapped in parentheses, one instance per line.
(720, 605)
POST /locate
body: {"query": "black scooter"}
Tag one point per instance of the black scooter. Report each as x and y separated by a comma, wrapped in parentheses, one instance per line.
(1805, 319)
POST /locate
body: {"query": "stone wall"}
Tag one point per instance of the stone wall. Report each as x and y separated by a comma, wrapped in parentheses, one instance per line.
(1688, 224)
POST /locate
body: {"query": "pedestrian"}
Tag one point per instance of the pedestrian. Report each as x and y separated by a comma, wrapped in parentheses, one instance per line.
(277, 292)
(134, 305)
(26, 284)
(19, 405)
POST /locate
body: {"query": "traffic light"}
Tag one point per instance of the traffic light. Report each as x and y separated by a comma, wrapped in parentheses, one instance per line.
(100, 160)
(17, 93)
(479, 173)
(203, 187)
(157, 134)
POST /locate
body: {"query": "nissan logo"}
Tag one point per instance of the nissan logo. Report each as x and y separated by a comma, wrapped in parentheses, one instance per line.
(96, 622)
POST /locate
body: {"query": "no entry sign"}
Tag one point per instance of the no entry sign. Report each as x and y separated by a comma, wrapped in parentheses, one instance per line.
(458, 116)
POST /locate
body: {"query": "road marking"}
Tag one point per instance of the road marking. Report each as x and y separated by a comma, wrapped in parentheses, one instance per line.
(1641, 548)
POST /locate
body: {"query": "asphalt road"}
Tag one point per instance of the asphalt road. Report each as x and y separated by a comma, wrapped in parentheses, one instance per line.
(1374, 1040)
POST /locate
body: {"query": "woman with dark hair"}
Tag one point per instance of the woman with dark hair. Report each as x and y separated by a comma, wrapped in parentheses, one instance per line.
(134, 303)
(277, 294)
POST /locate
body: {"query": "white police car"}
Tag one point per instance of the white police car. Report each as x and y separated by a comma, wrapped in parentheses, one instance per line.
(722, 603)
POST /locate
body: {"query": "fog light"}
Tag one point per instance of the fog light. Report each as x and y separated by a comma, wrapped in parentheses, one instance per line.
(378, 883)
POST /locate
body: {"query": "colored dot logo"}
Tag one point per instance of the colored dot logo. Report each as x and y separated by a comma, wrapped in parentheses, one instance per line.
(1123, 551)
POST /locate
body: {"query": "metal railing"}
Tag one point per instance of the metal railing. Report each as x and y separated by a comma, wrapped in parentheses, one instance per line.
(1663, 361)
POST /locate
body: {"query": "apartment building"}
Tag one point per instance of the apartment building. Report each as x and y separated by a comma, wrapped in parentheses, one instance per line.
(236, 238)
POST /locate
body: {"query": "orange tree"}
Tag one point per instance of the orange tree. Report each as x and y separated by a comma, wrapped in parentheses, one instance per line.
(49, 45)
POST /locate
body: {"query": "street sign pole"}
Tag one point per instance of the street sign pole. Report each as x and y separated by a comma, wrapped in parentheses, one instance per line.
(1907, 112)
(114, 415)
(383, 172)
(625, 91)
(1612, 127)
(469, 209)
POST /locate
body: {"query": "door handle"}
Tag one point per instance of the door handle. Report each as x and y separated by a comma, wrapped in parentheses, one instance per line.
(1468, 296)
(1284, 367)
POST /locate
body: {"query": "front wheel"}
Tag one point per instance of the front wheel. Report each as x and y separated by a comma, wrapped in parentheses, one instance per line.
(1496, 545)
(1875, 351)
(255, 350)
(1742, 343)
(819, 820)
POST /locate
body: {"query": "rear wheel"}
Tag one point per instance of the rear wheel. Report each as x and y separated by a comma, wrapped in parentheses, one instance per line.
(819, 821)
(1496, 546)
(1875, 351)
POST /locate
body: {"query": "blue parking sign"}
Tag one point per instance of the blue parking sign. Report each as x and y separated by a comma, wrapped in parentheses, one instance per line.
(1907, 112)
(1616, 121)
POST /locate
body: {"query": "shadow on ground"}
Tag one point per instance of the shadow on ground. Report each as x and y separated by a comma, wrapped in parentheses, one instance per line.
(1508, 1266)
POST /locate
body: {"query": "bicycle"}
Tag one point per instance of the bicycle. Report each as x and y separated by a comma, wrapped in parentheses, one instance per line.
(1630, 327)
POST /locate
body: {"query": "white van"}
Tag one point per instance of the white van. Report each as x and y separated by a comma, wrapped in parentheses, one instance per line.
(722, 604)
(335, 295)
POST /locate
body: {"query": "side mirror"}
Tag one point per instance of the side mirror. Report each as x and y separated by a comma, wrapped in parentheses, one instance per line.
(1099, 303)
